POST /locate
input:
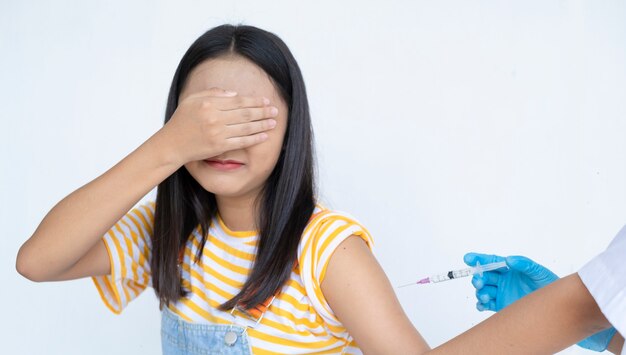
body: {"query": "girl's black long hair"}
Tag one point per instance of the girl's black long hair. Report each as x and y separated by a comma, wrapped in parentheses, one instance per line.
(287, 198)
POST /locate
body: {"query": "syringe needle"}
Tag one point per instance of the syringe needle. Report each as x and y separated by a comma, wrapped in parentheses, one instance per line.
(420, 282)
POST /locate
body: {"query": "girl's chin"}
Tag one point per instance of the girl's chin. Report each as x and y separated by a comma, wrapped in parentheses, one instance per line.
(224, 192)
(227, 192)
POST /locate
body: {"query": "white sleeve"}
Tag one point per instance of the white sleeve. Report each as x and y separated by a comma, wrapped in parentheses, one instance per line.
(605, 278)
(129, 246)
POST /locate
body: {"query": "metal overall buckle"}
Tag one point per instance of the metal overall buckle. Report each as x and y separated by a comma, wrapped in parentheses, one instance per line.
(230, 338)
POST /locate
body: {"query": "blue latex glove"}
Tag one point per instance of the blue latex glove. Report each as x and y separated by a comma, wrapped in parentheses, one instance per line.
(499, 288)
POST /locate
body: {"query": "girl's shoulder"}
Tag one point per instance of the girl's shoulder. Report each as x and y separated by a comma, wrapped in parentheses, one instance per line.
(325, 232)
(323, 215)
(327, 228)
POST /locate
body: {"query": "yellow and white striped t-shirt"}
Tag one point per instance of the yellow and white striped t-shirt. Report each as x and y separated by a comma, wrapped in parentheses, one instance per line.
(299, 320)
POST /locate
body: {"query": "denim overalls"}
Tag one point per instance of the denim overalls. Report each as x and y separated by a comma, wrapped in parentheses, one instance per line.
(179, 337)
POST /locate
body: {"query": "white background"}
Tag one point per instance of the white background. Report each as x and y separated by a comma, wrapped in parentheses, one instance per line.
(443, 126)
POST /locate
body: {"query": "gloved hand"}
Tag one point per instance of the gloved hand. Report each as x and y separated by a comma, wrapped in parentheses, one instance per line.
(499, 288)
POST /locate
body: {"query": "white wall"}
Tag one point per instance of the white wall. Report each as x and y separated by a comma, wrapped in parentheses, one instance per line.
(444, 126)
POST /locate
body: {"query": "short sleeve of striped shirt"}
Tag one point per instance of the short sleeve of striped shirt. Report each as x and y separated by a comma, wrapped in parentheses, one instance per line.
(128, 244)
(319, 241)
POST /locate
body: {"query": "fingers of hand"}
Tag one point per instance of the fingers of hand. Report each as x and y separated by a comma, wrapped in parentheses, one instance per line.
(490, 278)
(250, 128)
(249, 114)
(486, 297)
(472, 258)
(491, 306)
(245, 141)
(487, 294)
(520, 263)
(531, 269)
(477, 282)
(239, 102)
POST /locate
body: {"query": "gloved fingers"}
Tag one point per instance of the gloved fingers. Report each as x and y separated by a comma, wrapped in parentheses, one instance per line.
(491, 306)
(477, 282)
(487, 294)
(531, 269)
(491, 278)
(520, 263)
(472, 258)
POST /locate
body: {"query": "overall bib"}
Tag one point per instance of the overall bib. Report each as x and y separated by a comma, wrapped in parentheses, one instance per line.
(179, 337)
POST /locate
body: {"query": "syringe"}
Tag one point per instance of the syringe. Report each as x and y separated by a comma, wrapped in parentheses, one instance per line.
(455, 274)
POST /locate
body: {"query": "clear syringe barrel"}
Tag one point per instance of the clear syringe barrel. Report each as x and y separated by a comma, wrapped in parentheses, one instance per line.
(455, 274)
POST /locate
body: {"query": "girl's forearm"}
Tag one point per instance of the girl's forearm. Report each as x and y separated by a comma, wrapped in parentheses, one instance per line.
(544, 322)
(79, 220)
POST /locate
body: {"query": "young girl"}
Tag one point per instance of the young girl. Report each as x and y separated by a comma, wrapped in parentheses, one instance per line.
(239, 254)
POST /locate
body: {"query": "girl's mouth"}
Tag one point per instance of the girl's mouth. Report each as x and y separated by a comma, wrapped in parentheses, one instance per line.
(224, 165)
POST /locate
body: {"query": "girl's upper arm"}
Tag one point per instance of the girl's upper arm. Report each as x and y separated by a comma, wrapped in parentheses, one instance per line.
(360, 295)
